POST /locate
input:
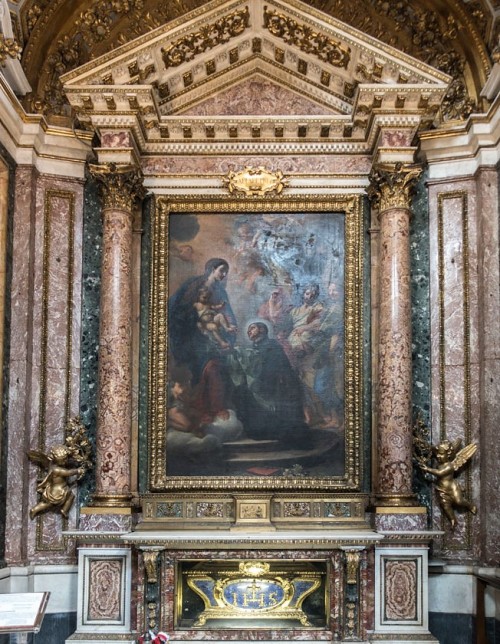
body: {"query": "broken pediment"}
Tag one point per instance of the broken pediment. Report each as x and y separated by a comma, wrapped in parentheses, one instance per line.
(209, 77)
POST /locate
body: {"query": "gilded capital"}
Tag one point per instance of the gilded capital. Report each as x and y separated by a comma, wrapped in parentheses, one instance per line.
(392, 185)
(121, 185)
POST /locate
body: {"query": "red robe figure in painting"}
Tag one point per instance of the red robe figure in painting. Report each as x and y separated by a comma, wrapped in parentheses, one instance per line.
(197, 351)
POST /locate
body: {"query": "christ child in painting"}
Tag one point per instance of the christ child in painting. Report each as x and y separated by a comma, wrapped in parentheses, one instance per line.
(211, 322)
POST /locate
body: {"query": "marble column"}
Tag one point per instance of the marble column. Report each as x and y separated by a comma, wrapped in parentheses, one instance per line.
(121, 187)
(391, 186)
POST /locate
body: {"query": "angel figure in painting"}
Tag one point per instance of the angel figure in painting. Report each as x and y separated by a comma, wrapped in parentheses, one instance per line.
(451, 457)
(55, 486)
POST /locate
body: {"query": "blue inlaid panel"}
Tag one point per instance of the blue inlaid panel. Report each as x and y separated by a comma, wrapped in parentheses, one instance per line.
(256, 595)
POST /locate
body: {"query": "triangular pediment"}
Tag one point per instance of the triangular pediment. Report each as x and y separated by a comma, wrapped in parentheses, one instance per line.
(319, 79)
(257, 96)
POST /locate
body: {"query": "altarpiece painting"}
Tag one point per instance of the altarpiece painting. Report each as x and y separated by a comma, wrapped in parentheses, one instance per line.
(255, 327)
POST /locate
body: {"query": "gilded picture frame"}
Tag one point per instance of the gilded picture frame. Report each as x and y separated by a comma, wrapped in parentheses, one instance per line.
(183, 234)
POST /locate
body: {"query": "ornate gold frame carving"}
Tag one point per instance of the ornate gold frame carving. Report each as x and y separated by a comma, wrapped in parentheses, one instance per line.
(351, 207)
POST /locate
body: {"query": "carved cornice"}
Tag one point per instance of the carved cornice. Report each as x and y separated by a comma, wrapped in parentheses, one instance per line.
(456, 45)
(392, 184)
(121, 185)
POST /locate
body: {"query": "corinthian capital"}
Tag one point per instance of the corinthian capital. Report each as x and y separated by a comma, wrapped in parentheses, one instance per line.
(121, 185)
(392, 184)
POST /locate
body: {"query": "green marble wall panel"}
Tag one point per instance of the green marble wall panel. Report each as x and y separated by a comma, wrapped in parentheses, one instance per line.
(420, 318)
(143, 357)
(91, 291)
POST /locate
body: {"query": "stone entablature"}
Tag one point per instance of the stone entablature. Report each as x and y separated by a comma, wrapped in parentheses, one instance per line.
(362, 85)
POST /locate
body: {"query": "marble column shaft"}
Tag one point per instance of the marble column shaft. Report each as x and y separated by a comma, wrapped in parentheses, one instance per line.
(392, 192)
(121, 186)
(394, 371)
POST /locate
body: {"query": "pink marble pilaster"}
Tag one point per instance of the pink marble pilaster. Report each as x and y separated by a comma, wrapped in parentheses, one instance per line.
(122, 185)
(465, 335)
(391, 186)
(20, 366)
(488, 182)
(44, 352)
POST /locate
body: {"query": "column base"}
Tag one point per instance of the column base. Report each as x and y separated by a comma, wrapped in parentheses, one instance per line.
(395, 500)
(112, 501)
(404, 518)
(109, 519)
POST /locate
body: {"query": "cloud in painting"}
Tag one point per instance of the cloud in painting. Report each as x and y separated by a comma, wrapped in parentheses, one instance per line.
(183, 227)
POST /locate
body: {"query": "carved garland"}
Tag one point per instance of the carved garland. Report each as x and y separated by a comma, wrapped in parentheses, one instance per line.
(206, 38)
(8, 48)
(309, 41)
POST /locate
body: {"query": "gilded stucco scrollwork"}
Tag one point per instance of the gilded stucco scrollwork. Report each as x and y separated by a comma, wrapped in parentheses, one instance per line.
(151, 564)
(306, 39)
(446, 34)
(352, 566)
(9, 48)
(219, 32)
(392, 184)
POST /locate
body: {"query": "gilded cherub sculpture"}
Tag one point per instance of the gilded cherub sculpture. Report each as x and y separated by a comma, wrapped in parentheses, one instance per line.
(450, 457)
(72, 459)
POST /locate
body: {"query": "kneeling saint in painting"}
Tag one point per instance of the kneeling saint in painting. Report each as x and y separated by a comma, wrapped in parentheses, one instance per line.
(268, 398)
